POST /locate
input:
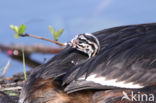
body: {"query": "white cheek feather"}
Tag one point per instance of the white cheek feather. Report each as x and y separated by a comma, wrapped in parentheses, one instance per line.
(83, 44)
(111, 82)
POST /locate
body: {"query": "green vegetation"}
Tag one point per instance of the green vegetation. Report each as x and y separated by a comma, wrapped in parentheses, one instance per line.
(18, 30)
(24, 69)
(56, 34)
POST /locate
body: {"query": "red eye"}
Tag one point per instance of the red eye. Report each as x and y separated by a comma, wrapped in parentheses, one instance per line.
(75, 42)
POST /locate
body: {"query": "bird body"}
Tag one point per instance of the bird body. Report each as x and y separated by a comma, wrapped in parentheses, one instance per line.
(120, 58)
(123, 63)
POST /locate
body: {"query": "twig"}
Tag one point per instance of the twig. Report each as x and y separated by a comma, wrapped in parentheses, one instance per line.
(42, 38)
(31, 48)
(15, 51)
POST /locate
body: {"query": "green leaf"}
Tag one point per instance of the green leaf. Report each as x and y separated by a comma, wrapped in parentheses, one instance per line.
(15, 28)
(52, 30)
(21, 29)
(12, 27)
(16, 35)
(18, 30)
(58, 33)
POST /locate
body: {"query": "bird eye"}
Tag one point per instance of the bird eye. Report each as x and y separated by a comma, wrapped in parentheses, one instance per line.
(75, 42)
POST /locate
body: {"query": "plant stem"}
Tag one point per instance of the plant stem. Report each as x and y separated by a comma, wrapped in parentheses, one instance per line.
(23, 56)
(42, 38)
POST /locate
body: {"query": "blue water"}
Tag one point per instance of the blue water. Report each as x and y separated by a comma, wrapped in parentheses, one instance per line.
(75, 16)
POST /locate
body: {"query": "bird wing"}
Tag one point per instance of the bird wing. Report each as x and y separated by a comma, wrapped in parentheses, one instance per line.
(123, 63)
(60, 64)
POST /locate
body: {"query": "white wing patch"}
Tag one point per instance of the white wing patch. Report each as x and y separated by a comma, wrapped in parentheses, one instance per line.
(111, 82)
